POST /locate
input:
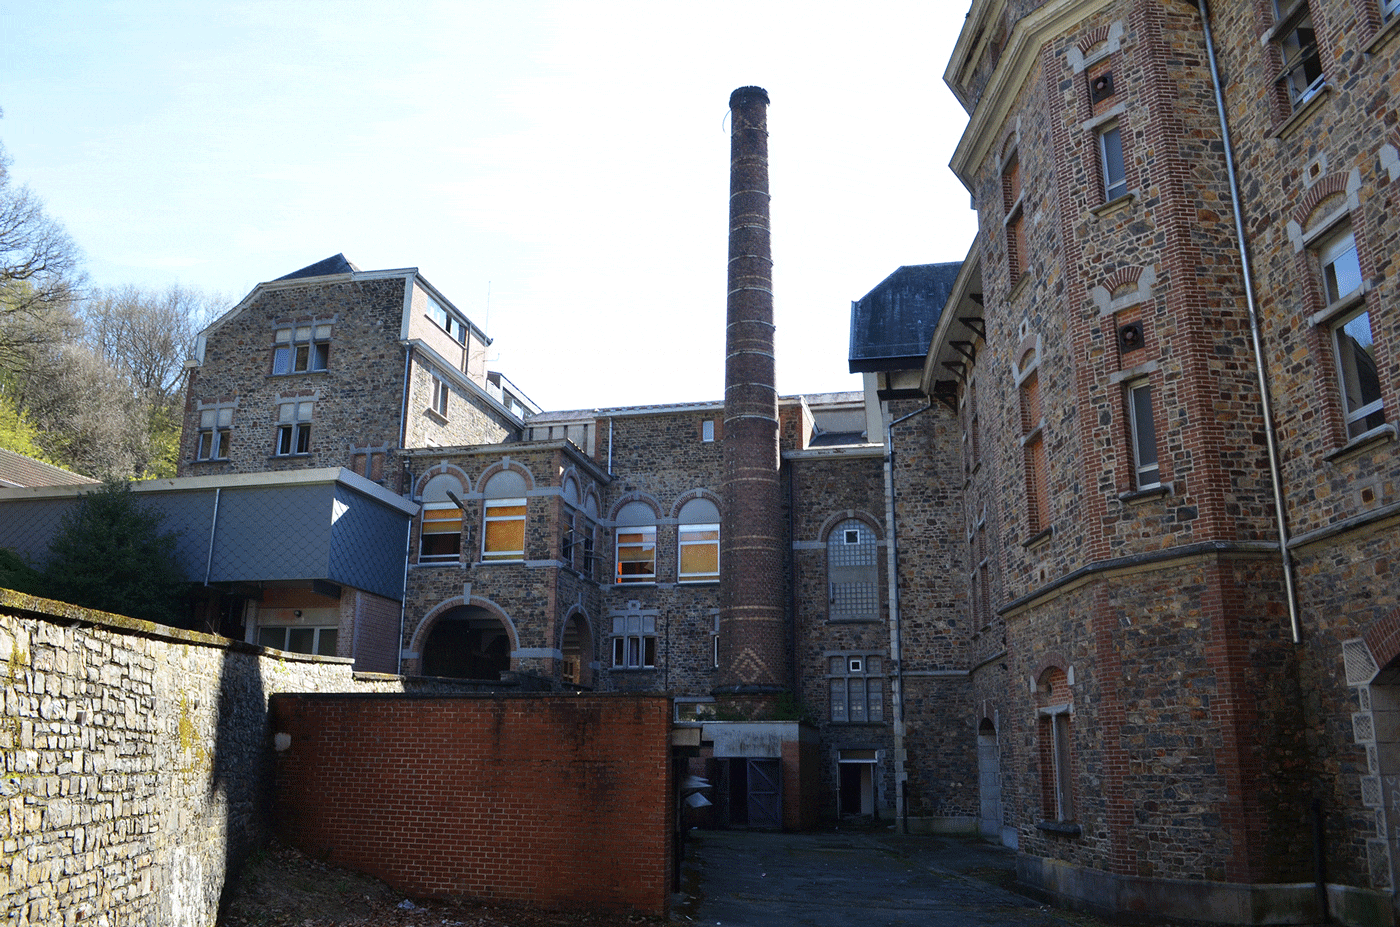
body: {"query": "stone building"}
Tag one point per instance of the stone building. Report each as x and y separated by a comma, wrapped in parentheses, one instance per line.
(1178, 471)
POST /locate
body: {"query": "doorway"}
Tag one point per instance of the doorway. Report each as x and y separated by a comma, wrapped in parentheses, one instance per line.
(856, 785)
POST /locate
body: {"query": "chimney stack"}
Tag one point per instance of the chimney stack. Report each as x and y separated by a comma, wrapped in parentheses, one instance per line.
(753, 643)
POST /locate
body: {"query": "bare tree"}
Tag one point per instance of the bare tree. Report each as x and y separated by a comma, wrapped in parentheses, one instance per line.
(148, 335)
(39, 268)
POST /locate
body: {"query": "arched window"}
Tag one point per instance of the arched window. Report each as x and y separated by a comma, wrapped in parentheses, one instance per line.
(636, 544)
(852, 572)
(698, 542)
(503, 531)
(440, 540)
(568, 522)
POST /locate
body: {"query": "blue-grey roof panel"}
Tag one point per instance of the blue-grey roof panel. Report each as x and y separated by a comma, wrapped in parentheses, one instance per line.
(893, 324)
(335, 264)
(273, 533)
(368, 544)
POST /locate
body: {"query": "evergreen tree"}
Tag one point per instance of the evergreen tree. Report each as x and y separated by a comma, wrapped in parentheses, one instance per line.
(109, 554)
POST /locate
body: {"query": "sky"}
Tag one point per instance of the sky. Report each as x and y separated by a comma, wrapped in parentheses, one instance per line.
(558, 170)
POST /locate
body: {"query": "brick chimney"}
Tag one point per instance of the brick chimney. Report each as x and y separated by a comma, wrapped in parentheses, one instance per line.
(753, 647)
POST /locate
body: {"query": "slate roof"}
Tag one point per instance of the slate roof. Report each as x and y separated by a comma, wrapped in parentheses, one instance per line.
(893, 324)
(336, 264)
(18, 470)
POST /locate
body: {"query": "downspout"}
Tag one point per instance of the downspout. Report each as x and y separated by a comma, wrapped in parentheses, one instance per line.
(403, 402)
(1275, 469)
(897, 626)
(213, 529)
(403, 595)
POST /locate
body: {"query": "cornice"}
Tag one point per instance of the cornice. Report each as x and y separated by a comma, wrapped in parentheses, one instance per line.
(1001, 93)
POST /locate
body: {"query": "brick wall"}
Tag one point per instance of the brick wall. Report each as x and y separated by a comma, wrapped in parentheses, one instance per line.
(561, 801)
(134, 762)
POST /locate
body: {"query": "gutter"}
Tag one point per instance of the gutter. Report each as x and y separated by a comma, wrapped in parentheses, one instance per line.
(901, 777)
(1271, 436)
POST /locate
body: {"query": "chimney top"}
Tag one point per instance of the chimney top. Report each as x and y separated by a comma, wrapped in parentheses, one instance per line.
(743, 95)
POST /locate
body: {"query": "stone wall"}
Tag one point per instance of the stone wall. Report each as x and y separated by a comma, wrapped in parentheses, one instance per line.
(562, 801)
(134, 762)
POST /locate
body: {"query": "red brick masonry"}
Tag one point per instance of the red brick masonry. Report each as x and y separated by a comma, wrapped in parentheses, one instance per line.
(560, 801)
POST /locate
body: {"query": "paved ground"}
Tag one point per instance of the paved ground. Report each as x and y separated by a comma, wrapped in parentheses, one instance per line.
(836, 879)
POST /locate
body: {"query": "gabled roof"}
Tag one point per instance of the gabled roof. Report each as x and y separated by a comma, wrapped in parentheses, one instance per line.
(18, 470)
(336, 264)
(891, 326)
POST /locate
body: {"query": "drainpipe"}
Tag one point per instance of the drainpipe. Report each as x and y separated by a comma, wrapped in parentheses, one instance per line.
(213, 529)
(897, 627)
(403, 602)
(1275, 470)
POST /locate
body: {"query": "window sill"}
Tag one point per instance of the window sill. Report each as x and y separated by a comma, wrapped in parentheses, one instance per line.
(438, 563)
(1114, 205)
(1301, 115)
(289, 456)
(1388, 30)
(633, 669)
(298, 373)
(1341, 306)
(1362, 443)
(501, 561)
(209, 460)
(852, 620)
(436, 416)
(1039, 539)
(859, 723)
(1140, 496)
(1021, 280)
(698, 582)
(1063, 828)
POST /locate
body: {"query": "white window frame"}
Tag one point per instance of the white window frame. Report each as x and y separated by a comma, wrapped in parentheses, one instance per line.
(440, 394)
(500, 517)
(634, 642)
(303, 348)
(1110, 143)
(1340, 266)
(443, 512)
(319, 637)
(215, 433)
(1142, 431)
(293, 435)
(707, 427)
(455, 327)
(690, 536)
(1288, 36)
(857, 688)
(635, 537)
(1357, 408)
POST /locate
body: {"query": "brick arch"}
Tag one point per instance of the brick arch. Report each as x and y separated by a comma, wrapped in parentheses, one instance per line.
(505, 463)
(586, 669)
(1031, 342)
(637, 496)
(836, 518)
(1094, 37)
(429, 620)
(1009, 144)
(693, 495)
(441, 469)
(571, 473)
(1325, 188)
(591, 492)
(1382, 638)
(1053, 661)
(1123, 276)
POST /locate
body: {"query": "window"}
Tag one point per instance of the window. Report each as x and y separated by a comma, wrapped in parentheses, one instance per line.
(1015, 218)
(441, 540)
(857, 689)
(503, 521)
(636, 544)
(301, 348)
(440, 392)
(294, 428)
(1033, 449)
(1143, 435)
(707, 427)
(447, 321)
(1301, 74)
(714, 639)
(590, 558)
(567, 537)
(319, 641)
(636, 554)
(1115, 181)
(698, 541)
(1358, 376)
(852, 573)
(1052, 693)
(215, 428)
(634, 641)
(504, 535)
(1389, 9)
(1341, 269)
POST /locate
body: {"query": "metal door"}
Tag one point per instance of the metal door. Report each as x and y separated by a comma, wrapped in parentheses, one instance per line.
(765, 793)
